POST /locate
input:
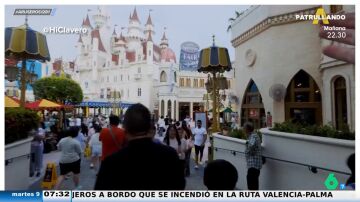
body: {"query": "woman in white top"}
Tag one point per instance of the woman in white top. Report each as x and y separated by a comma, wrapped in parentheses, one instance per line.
(172, 139)
(185, 133)
(96, 147)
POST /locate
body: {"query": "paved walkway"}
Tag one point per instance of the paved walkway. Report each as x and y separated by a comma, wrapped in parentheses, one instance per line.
(88, 176)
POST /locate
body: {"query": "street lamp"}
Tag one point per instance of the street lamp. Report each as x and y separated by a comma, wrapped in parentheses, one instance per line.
(215, 60)
(114, 99)
(23, 43)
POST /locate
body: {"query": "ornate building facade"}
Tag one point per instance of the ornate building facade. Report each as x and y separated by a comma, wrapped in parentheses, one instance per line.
(281, 69)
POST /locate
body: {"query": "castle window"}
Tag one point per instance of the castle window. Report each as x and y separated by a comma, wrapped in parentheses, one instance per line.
(196, 83)
(163, 76)
(182, 82)
(202, 84)
(188, 82)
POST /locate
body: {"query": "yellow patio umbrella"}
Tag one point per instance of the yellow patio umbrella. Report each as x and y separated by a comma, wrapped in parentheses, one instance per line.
(10, 102)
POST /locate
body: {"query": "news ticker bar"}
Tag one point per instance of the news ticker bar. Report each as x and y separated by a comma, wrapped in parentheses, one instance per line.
(74, 196)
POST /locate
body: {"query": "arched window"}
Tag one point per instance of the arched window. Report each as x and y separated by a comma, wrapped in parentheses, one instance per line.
(340, 103)
(169, 109)
(162, 107)
(163, 76)
(175, 77)
(252, 108)
(303, 100)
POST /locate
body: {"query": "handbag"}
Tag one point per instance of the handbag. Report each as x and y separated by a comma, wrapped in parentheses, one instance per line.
(87, 151)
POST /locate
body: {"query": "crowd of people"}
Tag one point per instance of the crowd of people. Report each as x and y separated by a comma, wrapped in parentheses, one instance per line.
(135, 157)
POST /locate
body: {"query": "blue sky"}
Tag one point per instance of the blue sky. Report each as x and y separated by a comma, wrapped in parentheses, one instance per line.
(183, 23)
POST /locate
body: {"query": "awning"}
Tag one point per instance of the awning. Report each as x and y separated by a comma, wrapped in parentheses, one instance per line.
(11, 102)
(227, 110)
(93, 104)
(43, 103)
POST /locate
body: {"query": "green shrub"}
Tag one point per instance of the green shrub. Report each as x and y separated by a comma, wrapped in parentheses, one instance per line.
(315, 130)
(238, 133)
(18, 123)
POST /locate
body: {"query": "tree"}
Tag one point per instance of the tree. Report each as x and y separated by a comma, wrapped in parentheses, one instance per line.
(58, 89)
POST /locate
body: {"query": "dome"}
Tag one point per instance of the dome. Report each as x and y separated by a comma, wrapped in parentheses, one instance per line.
(167, 54)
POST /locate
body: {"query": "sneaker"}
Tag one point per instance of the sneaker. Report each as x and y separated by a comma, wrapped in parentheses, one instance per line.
(196, 167)
(91, 166)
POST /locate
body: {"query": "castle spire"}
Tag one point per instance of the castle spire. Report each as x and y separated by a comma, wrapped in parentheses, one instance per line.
(135, 16)
(149, 21)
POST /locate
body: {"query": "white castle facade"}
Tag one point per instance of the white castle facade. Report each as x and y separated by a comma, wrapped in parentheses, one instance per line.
(133, 64)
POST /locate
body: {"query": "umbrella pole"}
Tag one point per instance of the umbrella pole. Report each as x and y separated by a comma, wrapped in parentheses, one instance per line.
(23, 83)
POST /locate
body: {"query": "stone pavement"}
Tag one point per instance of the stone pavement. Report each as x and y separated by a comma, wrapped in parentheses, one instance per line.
(88, 176)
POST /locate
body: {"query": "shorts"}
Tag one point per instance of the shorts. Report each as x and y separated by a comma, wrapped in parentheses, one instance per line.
(96, 150)
(66, 168)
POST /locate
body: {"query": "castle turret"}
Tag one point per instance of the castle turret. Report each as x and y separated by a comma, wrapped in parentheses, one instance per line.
(164, 42)
(149, 27)
(80, 46)
(149, 49)
(135, 34)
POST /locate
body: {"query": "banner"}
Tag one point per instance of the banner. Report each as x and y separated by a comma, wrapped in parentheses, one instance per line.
(189, 56)
(101, 196)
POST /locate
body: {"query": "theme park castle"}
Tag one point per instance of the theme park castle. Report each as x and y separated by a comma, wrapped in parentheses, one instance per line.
(130, 63)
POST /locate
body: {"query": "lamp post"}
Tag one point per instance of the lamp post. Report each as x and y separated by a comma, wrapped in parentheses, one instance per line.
(114, 99)
(215, 61)
(23, 43)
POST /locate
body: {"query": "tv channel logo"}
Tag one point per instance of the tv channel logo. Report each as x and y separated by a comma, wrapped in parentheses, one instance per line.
(331, 182)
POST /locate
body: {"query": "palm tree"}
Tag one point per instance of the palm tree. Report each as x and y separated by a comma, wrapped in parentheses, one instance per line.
(231, 20)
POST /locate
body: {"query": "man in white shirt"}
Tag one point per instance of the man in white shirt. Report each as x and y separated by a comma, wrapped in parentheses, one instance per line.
(200, 138)
(72, 121)
(78, 121)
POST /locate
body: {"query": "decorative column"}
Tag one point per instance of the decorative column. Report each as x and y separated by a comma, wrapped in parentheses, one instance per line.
(191, 110)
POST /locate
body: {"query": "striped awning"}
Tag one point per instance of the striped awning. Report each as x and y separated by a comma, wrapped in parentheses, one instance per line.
(26, 43)
(214, 59)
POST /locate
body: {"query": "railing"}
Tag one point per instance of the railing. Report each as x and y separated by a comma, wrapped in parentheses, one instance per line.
(312, 168)
(10, 160)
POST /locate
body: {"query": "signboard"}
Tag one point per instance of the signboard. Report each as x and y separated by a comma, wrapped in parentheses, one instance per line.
(189, 56)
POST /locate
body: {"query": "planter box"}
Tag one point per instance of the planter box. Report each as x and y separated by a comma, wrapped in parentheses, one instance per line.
(238, 160)
(17, 169)
(319, 152)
